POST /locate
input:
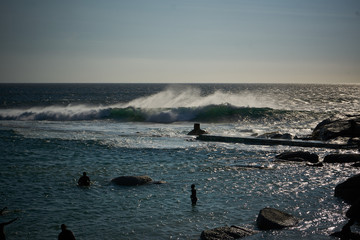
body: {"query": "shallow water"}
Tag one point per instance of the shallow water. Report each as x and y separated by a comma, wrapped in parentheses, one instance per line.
(41, 161)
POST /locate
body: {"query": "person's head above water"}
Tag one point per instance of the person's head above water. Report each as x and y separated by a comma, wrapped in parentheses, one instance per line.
(63, 227)
(192, 185)
(84, 174)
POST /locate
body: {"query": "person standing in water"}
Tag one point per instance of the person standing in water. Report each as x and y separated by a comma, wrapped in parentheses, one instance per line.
(65, 234)
(193, 195)
(84, 180)
(2, 226)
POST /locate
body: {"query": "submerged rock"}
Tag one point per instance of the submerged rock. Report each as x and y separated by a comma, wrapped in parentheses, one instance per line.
(131, 180)
(270, 218)
(226, 233)
(342, 158)
(349, 190)
(298, 157)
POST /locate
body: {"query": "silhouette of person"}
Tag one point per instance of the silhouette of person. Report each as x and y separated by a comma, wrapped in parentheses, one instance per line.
(84, 180)
(2, 226)
(193, 195)
(65, 234)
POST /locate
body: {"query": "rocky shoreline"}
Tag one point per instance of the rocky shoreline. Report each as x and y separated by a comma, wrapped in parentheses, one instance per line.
(344, 130)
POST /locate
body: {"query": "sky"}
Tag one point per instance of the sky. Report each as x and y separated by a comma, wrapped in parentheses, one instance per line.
(180, 41)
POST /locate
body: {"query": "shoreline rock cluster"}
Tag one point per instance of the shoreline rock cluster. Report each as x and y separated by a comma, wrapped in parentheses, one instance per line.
(344, 130)
(269, 218)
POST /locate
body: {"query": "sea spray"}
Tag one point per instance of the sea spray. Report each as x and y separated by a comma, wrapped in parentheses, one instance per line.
(192, 97)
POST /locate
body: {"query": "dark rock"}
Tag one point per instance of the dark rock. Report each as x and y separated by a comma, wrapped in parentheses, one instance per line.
(131, 180)
(342, 158)
(334, 128)
(349, 190)
(356, 164)
(354, 211)
(270, 218)
(226, 233)
(197, 130)
(298, 157)
(319, 164)
(347, 236)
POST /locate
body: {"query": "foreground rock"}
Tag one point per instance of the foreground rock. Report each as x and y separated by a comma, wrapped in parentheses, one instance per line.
(342, 158)
(298, 157)
(354, 211)
(131, 180)
(346, 127)
(349, 236)
(226, 233)
(349, 190)
(270, 218)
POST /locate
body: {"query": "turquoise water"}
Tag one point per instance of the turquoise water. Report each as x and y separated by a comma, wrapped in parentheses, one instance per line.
(42, 158)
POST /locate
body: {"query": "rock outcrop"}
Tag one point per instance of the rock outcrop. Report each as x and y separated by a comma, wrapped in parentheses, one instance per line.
(342, 158)
(348, 127)
(197, 130)
(270, 218)
(354, 211)
(298, 157)
(131, 180)
(226, 233)
(349, 190)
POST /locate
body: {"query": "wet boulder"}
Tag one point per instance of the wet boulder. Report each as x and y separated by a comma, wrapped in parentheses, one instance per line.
(226, 233)
(348, 127)
(131, 180)
(298, 157)
(349, 190)
(270, 218)
(342, 158)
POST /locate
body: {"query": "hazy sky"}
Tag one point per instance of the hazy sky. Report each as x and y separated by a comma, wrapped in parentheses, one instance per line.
(190, 41)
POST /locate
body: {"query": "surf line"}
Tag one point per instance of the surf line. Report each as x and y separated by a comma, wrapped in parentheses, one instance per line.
(272, 142)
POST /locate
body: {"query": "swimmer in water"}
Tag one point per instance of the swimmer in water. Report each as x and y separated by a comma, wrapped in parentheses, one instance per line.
(84, 180)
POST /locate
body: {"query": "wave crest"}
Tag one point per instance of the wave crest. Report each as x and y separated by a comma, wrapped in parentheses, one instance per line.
(208, 113)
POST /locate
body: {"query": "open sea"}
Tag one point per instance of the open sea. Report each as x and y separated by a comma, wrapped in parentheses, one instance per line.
(51, 133)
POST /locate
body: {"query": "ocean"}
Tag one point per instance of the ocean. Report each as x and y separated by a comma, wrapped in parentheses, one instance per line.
(51, 133)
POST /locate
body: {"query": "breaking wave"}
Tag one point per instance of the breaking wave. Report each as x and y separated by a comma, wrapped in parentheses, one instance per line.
(167, 106)
(209, 113)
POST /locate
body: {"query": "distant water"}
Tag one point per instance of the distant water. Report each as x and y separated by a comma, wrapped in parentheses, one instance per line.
(51, 133)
